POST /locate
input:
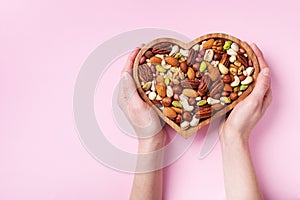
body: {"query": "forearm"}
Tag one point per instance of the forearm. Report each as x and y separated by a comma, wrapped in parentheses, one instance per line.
(239, 174)
(149, 186)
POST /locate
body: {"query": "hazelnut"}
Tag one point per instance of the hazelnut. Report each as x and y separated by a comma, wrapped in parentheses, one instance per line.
(187, 116)
(202, 52)
(227, 88)
(178, 119)
(192, 100)
(176, 97)
(196, 66)
(183, 67)
(233, 96)
(177, 89)
(226, 94)
(242, 77)
(217, 57)
(226, 78)
(217, 96)
(166, 101)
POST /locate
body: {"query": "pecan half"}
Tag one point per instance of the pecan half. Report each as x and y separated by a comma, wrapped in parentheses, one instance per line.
(242, 59)
(204, 85)
(203, 112)
(191, 57)
(216, 88)
(190, 83)
(162, 48)
(225, 60)
(145, 73)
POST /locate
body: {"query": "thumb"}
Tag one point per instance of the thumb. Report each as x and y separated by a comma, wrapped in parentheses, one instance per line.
(262, 84)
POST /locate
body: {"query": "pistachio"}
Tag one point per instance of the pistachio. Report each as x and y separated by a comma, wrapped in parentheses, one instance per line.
(236, 82)
(160, 68)
(202, 102)
(223, 69)
(167, 81)
(243, 87)
(226, 100)
(177, 55)
(147, 86)
(203, 66)
(177, 104)
(227, 45)
(236, 89)
(247, 81)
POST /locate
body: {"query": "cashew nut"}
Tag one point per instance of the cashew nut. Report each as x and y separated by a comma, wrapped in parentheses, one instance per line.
(236, 81)
(195, 121)
(212, 101)
(250, 70)
(248, 80)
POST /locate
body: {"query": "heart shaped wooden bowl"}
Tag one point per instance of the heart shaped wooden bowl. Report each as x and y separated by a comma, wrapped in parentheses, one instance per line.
(187, 133)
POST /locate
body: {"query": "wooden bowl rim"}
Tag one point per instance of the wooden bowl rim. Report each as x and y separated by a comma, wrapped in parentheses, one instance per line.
(187, 133)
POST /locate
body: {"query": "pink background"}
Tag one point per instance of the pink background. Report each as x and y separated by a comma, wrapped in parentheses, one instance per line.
(42, 47)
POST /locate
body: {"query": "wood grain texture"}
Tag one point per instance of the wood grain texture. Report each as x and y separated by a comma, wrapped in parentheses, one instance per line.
(187, 133)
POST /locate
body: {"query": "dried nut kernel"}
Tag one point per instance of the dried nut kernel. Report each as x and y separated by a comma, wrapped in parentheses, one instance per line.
(147, 86)
(175, 49)
(243, 87)
(191, 73)
(178, 119)
(195, 121)
(227, 45)
(187, 116)
(203, 66)
(161, 89)
(169, 112)
(201, 103)
(155, 60)
(231, 52)
(152, 95)
(158, 98)
(236, 82)
(190, 93)
(176, 97)
(196, 47)
(192, 100)
(247, 81)
(209, 54)
(227, 88)
(233, 96)
(184, 125)
(178, 55)
(217, 106)
(226, 100)
(235, 47)
(167, 81)
(212, 101)
(184, 52)
(177, 110)
(233, 70)
(185, 103)
(232, 58)
(177, 104)
(237, 63)
(177, 89)
(226, 78)
(242, 77)
(170, 92)
(172, 61)
(223, 69)
(208, 44)
(250, 71)
(160, 68)
(166, 101)
(183, 67)
(160, 79)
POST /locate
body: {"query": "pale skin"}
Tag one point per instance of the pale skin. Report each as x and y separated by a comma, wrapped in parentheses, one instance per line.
(239, 174)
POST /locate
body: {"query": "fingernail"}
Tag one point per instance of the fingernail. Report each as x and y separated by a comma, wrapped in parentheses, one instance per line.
(266, 72)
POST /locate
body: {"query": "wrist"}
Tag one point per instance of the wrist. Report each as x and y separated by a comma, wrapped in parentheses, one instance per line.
(233, 138)
(153, 143)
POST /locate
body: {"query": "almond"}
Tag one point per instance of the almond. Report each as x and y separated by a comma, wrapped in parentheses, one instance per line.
(161, 90)
(169, 112)
(172, 61)
(190, 93)
(208, 44)
(155, 60)
(191, 73)
(178, 110)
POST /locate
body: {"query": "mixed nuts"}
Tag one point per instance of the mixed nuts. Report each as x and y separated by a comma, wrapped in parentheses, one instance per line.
(189, 86)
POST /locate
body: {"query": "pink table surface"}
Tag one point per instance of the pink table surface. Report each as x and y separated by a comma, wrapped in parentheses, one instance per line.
(42, 47)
